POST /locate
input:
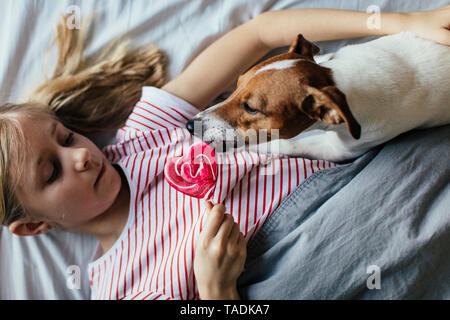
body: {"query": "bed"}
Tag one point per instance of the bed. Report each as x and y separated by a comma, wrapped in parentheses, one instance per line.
(338, 241)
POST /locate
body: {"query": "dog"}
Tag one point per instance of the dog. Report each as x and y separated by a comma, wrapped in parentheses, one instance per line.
(365, 95)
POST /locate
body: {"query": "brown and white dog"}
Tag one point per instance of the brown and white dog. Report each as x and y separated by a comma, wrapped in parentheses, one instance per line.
(363, 96)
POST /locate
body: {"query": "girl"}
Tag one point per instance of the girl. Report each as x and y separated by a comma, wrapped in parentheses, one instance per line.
(148, 233)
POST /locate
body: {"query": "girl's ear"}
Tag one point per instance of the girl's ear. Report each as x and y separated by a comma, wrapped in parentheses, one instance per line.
(29, 227)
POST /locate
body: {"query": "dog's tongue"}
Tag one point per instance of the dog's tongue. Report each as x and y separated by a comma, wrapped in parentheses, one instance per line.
(195, 173)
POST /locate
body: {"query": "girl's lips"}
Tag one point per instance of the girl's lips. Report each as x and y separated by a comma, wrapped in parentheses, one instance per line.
(102, 170)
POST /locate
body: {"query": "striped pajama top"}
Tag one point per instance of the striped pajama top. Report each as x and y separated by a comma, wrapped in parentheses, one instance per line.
(153, 256)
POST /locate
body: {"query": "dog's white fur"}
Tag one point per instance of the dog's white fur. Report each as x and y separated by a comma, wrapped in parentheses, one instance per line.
(278, 65)
(392, 84)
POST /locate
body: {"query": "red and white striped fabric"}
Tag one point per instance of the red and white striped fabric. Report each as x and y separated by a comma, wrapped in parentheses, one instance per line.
(153, 256)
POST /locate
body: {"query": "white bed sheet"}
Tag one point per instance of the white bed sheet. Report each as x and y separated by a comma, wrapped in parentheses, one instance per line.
(40, 267)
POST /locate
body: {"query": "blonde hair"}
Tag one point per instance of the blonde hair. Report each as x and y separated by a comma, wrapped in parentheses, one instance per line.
(84, 97)
(12, 144)
(99, 97)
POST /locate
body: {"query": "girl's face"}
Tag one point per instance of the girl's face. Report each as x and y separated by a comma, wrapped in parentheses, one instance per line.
(66, 181)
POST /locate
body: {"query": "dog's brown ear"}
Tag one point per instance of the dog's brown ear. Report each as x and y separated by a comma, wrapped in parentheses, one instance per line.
(329, 104)
(302, 46)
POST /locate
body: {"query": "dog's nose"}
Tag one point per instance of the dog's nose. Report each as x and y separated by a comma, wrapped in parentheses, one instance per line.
(190, 126)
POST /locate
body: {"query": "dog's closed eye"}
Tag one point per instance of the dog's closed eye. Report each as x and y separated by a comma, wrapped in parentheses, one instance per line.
(249, 109)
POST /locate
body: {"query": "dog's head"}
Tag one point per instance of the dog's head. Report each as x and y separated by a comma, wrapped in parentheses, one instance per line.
(288, 92)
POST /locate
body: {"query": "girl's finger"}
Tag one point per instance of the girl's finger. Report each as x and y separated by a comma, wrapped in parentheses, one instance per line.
(213, 221)
(226, 227)
(241, 244)
(234, 233)
(240, 238)
(209, 205)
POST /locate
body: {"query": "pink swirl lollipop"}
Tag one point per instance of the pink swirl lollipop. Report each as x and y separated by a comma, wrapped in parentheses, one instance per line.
(195, 173)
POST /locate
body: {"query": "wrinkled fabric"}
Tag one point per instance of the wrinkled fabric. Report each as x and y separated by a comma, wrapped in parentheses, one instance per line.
(381, 221)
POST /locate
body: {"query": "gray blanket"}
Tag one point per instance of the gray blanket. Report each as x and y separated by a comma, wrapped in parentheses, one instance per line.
(376, 228)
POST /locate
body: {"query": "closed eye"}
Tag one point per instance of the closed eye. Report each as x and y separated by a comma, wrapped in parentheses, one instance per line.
(56, 167)
(247, 108)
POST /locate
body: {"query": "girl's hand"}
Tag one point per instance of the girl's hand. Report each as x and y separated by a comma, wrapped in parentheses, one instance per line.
(433, 24)
(220, 255)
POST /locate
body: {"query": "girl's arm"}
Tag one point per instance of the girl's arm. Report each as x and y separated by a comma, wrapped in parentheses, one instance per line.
(224, 60)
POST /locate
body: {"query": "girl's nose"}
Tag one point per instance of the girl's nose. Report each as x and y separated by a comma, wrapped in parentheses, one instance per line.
(82, 159)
